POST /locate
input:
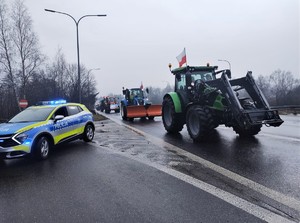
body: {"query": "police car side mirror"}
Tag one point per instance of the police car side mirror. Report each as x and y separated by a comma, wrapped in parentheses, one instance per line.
(58, 117)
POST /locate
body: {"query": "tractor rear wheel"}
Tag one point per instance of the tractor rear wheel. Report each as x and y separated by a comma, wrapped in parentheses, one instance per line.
(200, 123)
(173, 122)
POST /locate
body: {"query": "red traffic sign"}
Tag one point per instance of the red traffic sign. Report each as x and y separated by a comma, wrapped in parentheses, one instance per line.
(23, 103)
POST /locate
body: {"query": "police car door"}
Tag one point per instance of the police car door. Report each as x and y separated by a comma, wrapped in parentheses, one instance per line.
(76, 119)
(63, 128)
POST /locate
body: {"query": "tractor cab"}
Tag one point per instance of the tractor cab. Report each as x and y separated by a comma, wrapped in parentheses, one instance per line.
(134, 96)
(187, 77)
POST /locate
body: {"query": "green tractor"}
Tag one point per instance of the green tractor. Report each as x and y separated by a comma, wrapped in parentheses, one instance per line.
(203, 102)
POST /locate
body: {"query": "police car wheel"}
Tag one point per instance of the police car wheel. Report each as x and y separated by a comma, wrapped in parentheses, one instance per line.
(88, 133)
(42, 148)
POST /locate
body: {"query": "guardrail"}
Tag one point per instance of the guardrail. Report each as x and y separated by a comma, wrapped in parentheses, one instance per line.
(287, 109)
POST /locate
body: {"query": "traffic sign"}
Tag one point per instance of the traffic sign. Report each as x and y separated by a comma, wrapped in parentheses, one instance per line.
(23, 103)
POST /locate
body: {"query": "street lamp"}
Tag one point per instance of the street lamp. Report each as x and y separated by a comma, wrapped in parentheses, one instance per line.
(227, 62)
(77, 35)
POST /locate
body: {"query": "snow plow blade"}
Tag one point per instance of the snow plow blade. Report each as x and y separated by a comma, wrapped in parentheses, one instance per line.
(138, 111)
(154, 110)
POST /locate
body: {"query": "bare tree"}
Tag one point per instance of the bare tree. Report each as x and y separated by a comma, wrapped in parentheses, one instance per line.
(29, 57)
(57, 71)
(263, 83)
(71, 82)
(7, 53)
(282, 83)
(88, 88)
(156, 94)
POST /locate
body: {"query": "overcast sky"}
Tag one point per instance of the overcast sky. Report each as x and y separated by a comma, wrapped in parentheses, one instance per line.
(138, 38)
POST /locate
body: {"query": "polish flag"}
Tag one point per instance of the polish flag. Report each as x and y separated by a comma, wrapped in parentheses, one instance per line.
(181, 58)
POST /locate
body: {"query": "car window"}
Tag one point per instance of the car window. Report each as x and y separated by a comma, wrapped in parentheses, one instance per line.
(61, 111)
(33, 115)
(73, 109)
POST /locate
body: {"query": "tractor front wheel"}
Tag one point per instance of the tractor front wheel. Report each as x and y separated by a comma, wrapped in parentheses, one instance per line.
(199, 123)
(173, 122)
(249, 131)
(253, 130)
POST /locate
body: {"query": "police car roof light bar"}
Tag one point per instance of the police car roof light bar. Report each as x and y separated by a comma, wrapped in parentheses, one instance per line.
(55, 102)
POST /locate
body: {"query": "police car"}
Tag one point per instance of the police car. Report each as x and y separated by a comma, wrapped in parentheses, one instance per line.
(37, 129)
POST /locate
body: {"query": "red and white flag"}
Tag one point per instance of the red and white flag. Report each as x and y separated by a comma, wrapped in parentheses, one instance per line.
(142, 86)
(181, 58)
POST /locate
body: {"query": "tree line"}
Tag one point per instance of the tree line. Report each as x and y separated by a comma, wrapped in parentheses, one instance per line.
(26, 73)
(280, 88)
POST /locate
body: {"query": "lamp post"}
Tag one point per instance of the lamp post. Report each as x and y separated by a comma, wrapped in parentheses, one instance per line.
(77, 35)
(226, 62)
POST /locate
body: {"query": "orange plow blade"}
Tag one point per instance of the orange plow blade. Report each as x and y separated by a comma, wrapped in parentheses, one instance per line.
(154, 110)
(136, 111)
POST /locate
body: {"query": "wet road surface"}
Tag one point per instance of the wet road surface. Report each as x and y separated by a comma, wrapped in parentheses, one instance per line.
(271, 159)
(86, 183)
(128, 175)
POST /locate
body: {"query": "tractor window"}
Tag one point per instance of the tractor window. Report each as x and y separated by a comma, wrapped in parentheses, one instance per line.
(196, 77)
(180, 83)
(205, 76)
(137, 92)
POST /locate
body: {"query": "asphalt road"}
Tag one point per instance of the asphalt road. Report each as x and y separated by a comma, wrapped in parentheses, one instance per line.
(84, 183)
(130, 175)
(271, 159)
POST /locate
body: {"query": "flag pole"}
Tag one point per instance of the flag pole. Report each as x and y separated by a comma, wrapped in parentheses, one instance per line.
(185, 57)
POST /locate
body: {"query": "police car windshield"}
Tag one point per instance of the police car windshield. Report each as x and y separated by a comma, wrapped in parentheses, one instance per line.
(32, 115)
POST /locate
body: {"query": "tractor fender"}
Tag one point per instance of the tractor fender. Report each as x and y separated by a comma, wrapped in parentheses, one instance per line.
(176, 100)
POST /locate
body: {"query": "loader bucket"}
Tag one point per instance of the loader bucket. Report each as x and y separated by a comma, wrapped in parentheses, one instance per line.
(154, 110)
(136, 111)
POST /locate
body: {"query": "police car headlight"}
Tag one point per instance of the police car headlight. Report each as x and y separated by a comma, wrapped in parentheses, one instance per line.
(21, 138)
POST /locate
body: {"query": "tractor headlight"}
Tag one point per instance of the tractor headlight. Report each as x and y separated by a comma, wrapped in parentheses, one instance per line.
(20, 138)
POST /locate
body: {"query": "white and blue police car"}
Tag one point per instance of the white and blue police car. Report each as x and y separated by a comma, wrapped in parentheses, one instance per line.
(35, 130)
